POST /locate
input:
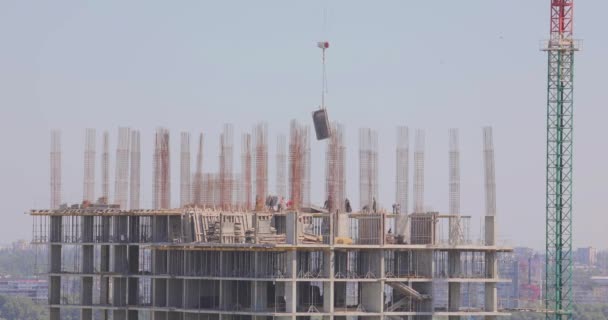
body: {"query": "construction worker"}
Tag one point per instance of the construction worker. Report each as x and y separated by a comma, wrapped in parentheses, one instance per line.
(328, 204)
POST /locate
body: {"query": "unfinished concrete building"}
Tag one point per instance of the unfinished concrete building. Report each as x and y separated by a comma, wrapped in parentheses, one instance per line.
(212, 261)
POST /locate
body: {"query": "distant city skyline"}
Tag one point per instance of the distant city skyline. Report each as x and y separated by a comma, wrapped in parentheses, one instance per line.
(194, 66)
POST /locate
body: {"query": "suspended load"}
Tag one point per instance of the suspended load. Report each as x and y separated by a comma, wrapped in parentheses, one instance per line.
(319, 117)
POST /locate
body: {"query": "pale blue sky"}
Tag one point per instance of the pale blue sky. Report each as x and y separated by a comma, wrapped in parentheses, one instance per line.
(193, 65)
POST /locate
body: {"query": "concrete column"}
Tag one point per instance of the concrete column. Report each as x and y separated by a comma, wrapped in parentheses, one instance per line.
(134, 236)
(86, 314)
(372, 296)
(454, 298)
(328, 296)
(328, 265)
(490, 230)
(105, 229)
(56, 229)
(342, 226)
(88, 259)
(54, 314)
(491, 295)
(454, 271)
(382, 267)
(133, 282)
(55, 258)
(104, 280)
(292, 228)
(87, 229)
(54, 290)
(290, 286)
(328, 286)
(491, 303)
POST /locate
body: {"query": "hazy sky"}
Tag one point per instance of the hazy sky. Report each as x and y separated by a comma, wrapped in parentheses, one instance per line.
(194, 65)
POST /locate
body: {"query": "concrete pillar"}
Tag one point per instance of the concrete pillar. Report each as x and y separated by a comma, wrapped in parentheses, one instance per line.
(490, 230)
(134, 236)
(454, 271)
(54, 290)
(290, 296)
(88, 259)
(491, 303)
(290, 286)
(491, 295)
(86, 314)
(342, 226)
(55, 258)
(372, 296)
(292, 228)
(56, 229)
(105, 229)
(382, 267)
(54, 296)
(54, 314)
(87, 229)
(133, 282)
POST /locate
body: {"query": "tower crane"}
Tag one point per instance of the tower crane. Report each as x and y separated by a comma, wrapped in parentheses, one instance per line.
(560, 49)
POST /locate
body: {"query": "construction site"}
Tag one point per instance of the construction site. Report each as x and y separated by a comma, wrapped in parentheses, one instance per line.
(234, 250)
